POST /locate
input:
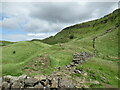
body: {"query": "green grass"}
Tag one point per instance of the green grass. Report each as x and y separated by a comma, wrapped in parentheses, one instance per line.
(60, 58)
(108, 68)
(107, 46)
(5, 43)
(25, 51)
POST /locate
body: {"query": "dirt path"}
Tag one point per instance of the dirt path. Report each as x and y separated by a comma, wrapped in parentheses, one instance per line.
(37, 65)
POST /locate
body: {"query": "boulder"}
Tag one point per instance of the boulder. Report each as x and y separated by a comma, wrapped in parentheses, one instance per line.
(68, 66)
(84, 74)
(5, 85)
(96, 82)
(79, 58)
(104, 79)
(38, 86)
(54, 83)
(42, 77)
(37, 77)
(22, 78)
(10, 79)
(13, 79)
(17, 84)
(65, 82)
(78, 71)
(72, 64)
(7, 78)
(31, 81)
(44, 82)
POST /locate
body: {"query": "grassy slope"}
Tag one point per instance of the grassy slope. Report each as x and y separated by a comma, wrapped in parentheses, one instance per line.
(106, 60)
(107, 55)
(24, 52)
(61, 52)
(83, 30)
(109, 70)
(5, 43)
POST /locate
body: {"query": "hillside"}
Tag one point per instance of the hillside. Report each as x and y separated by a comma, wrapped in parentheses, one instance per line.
(4, 43)
(83, 30)
(99, 38)
(19, 53)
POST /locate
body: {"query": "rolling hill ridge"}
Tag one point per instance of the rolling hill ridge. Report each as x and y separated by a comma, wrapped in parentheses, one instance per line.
(85, 29)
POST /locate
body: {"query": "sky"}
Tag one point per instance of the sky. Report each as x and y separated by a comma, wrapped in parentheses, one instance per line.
(20, 21)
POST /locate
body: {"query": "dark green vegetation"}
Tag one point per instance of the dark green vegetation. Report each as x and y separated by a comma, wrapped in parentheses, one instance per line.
(37, 57)
(5, 43)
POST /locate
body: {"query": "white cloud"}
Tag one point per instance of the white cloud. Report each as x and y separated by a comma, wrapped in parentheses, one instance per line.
(11, 23)
(35, 34)
(45, 19)
(40, 35)
(36, 25)
(14, 37)
(23, 37)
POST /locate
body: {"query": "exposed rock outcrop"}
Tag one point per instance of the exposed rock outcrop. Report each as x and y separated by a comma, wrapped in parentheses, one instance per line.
(79, 58)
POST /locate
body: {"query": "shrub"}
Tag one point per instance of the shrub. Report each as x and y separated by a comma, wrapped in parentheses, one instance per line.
(71, 36)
